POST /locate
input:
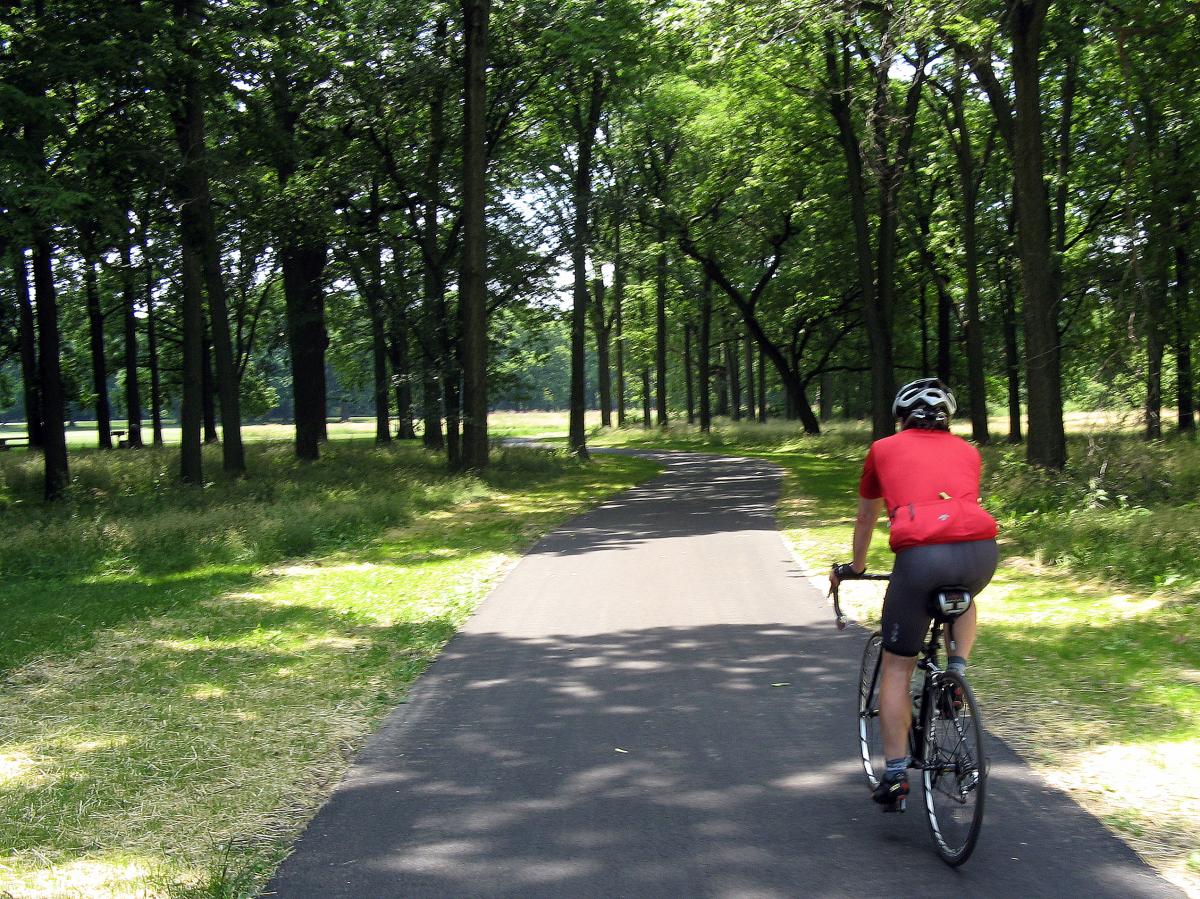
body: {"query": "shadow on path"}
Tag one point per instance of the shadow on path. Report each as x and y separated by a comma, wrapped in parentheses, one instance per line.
(655, 703)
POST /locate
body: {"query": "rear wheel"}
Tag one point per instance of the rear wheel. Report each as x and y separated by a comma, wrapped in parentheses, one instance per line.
(955, 768)
(870, 737)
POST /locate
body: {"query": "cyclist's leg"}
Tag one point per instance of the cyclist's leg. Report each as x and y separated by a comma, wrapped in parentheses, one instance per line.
(895, 703)
(903, 630)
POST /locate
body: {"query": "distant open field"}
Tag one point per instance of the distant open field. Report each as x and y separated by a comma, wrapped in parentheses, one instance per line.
(549, 425)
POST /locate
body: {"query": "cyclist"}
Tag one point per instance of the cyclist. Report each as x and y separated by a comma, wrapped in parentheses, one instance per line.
(928, 480)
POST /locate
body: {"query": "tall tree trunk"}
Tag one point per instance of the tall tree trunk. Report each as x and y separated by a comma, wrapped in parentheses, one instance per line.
(619, 325)
(646, 401)
(96, 339)
(191, 466)
(54, 435)
(586, 123)
(1012, 359)
(705, 386)
(152, 346)
(402, 372)
(29, 362)
(379, 358)
(660, 319)
(472, 304)
(199, 230)
(732, 364)
(923, 313)
(1047, 440)
(878, 336)
(877, 280)
(431, 389)
(762, 387)
(945, 339)
(209, 392)
(687, 372)
(973, 326)
(722, 378)
(452, 395)
(133, 393)
(1184, 382)
(748, 348)
(603, 368)
(53, 406)
(303, 262)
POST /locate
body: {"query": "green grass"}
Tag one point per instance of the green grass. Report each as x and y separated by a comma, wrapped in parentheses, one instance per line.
(1088, 660)
(82, 436)
(179, 693)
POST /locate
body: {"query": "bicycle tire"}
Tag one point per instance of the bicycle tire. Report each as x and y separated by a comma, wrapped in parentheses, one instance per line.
(870, 736)
(954, 767)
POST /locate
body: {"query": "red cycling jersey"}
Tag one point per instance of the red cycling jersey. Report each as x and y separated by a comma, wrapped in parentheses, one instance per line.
(930, 483)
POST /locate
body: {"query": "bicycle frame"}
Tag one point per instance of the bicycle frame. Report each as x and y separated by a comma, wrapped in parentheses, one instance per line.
(928, 662)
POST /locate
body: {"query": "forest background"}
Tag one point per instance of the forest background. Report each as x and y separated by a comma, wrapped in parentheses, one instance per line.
(701, 223)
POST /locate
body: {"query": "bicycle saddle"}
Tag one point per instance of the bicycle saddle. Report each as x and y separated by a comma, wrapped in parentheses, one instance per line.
(947, 603)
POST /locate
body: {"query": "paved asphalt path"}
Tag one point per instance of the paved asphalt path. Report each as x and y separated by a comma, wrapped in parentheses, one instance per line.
(608, 724)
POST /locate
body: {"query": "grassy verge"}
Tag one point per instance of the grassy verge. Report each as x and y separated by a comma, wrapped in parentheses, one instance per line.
(185, 673)
(1089, 661)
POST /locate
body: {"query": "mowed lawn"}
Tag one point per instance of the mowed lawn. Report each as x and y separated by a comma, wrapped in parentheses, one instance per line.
(1089, 656)
(185, 673)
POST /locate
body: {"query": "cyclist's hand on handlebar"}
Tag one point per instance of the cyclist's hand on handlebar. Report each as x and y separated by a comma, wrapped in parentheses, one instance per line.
(844, 572)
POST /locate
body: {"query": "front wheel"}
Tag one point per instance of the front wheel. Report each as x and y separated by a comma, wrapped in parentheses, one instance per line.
(870, 736)
(954, 767)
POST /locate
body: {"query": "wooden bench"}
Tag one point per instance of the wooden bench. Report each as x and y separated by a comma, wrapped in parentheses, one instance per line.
(7, 443)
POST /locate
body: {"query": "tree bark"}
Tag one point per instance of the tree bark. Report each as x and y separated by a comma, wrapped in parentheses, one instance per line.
(705, 385)
(30, 378)
(53, 405)
(1012, 359)
(1184, 379)
(303, 264)
(152, 345)
(96, 340)
(379, 358)
(472, 304)
(209, 392)
(876, 270)
(973, 326)
(748, 352)
(191, 464)
(618, 323)
(133, 393)
(587, 120)
(762, 387)
(733, 370)
(603, 368)
(1047, 445)
(199, 230)
(402, 372)
(660, 319)
(687, 372)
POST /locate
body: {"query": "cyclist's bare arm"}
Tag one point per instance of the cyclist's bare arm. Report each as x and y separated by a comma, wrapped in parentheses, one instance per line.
(864, 529)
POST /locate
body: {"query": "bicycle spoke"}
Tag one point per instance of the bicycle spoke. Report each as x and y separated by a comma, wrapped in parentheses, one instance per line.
(954, 774)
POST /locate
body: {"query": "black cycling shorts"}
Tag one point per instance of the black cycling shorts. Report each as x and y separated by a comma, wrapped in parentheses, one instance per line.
(917, 573)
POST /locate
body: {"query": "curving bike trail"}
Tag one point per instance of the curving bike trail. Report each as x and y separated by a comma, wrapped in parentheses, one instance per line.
(655, 703)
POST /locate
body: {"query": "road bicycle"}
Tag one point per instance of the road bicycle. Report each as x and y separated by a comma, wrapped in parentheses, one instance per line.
(946, 737)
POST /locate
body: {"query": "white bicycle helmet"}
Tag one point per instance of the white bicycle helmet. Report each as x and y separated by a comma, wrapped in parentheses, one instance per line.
(924, 392)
